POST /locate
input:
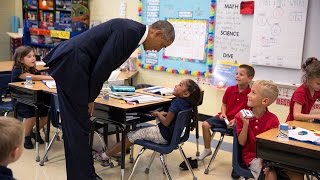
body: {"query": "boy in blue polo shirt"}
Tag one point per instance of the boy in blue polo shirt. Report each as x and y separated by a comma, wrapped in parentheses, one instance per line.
(11, 140)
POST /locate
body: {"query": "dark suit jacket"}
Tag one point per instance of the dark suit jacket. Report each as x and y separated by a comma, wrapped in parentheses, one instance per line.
(82, 64)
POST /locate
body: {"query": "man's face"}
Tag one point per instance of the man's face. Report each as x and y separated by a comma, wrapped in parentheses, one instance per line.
(156, 42)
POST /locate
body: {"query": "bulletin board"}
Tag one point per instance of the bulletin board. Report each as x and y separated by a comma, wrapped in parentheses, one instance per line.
(192, 51)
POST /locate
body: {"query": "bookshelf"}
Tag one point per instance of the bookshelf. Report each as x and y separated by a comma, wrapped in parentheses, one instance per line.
(46, 23)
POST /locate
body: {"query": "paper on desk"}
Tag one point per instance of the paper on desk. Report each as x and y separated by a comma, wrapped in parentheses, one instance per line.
(50, 83)
(160, 90)
(143, 99)
(310, 136)
(40, 63)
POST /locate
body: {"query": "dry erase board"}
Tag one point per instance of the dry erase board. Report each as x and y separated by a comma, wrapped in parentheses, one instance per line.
(232, 32)
(282, 75)
(278, 33)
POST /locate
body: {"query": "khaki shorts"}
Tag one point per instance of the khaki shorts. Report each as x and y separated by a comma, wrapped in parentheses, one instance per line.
(150, 133)
(255, 167)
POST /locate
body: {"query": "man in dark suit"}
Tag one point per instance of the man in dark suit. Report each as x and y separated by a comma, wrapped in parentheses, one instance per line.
(81, 65)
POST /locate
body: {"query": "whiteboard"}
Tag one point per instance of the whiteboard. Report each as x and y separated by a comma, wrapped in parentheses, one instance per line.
(232, 32)
(279, 74)
(278, 33)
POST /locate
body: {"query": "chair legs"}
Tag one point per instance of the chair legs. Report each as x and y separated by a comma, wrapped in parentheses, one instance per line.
(49, 147)
(206, 171)
(187, 162)
(136, 162)
(164, 166)
(151, 160)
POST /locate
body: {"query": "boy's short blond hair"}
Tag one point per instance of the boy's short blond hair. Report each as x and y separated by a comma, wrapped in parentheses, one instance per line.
(268, 90)
(11, 133)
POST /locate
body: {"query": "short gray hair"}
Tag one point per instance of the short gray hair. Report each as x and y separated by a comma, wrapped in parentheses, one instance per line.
(166, 27)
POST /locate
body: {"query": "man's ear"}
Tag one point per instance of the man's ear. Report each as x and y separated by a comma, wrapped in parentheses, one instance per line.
(158, 33)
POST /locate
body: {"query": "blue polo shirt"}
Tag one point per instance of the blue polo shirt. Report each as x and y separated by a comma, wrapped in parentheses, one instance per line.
(177, 105)
(6, 173)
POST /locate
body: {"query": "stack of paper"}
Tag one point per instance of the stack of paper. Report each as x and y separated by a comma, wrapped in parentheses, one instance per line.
(143, 99)
(50, 83)
(159, 90)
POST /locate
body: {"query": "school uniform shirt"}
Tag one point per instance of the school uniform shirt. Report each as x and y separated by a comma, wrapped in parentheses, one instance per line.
(302, 96)
(16, 72)
(256, 126)
(6, 173)
(24, 110)
(235, 100)
(177, 105)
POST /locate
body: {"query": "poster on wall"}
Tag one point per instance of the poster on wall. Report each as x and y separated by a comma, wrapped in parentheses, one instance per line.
(224, 74)
(190, 40)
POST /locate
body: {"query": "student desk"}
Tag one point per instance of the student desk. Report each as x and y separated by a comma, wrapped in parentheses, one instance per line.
(128, 75)
(32, 96)
(117, 116)
(6, 67)
(301, 156)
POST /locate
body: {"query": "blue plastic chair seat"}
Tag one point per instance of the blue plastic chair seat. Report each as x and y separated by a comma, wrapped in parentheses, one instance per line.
(6, 106)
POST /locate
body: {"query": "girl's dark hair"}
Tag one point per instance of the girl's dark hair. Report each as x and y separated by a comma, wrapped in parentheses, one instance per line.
(19, 54)
(309, 61)
(311, 69)
(194, 99)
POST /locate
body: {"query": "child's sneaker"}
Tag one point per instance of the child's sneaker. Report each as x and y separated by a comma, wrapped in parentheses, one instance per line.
(33, 135)
(28, 143)
(205, 153)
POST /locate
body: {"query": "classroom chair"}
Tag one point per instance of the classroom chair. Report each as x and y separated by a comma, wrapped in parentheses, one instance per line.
(180, 135)
(56, 122)
(222, 132)
(5, 106)
(237, 162)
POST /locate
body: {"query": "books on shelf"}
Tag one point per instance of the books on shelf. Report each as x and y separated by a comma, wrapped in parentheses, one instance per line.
(159, 90)
(50, 83)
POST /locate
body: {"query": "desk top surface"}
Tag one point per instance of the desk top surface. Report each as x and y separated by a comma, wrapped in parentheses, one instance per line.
(127, 75)
(39, 86)
(121, 104)
(271, 135)
(6, 66)
(14, 35)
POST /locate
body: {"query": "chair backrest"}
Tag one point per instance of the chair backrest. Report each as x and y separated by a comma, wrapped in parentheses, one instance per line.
(55, 119)
(201, 98)
(237, 162)
(4, 80)
(181, 130)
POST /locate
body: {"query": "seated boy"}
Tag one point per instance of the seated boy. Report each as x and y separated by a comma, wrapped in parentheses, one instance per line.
(11, 145)
(234, 99)
(263, 93)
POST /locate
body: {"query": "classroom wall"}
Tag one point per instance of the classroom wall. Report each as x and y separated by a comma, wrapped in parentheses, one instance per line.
(7, 9)
(102, 11)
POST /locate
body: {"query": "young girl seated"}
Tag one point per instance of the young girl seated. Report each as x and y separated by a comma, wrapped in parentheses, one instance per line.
(25, 65)
(188, 95)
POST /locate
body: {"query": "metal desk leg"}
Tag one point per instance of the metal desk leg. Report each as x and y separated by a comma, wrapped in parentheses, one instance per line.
(197, 138)
(123, 152)
(37, 133)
